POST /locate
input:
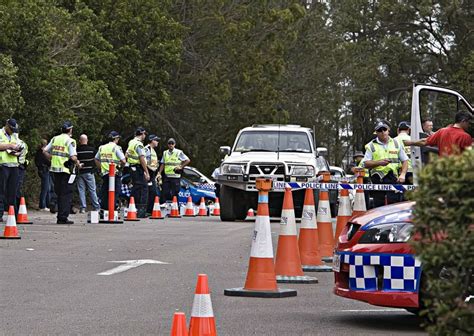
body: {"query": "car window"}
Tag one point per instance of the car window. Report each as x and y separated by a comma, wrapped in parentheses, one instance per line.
(272, 141)
(322, 164)
(191, 176)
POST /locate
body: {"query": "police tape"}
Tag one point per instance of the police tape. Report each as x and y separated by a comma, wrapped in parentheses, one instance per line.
(339, 186)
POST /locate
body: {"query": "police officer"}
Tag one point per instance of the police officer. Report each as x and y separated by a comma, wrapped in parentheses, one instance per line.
(64, 162)
(107, 154)
(152, 164)
(138, 170)
(383, 156)
(404, 138)
(10, 149)
(172, 163)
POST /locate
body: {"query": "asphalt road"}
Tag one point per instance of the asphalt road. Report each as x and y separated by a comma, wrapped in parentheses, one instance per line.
(50, 284)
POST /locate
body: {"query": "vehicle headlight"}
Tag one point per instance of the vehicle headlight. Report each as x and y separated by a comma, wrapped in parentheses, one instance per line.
(232, 169)
(387, 233)
(302, 170)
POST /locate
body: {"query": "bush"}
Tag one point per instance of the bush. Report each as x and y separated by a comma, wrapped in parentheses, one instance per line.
(444, 222)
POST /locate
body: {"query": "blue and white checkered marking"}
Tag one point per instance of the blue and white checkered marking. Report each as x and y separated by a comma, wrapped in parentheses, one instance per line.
(401, 272)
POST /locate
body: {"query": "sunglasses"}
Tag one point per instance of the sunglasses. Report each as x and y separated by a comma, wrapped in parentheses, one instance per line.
(382, 130)
(171, 143)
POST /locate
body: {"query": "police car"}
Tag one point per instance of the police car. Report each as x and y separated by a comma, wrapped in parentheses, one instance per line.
(373, 261)
(197, 185)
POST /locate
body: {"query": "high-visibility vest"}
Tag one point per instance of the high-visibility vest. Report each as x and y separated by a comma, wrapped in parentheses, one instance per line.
(152, 160)
(380, 153)
(108, 155)
(132, 154)
(400, 138)
(7, 159)
(60, 152)
(171, 161)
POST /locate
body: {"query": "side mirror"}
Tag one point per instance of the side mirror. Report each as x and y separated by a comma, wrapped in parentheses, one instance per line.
(202, 180)
(224, 150)
(322, 151)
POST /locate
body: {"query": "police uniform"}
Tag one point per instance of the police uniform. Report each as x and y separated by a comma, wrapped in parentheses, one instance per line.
(62, 147)
(152, 164)
(140, 189)
(107, 154)
(172, 177)
(9, 166)
(394, 152)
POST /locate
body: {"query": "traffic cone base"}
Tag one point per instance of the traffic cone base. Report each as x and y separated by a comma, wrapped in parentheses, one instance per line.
(22, 217)
(319, 268)
(106, 221)
(278, 293)
(11, 231)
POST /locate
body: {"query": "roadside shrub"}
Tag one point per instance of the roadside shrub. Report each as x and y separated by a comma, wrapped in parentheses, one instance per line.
(444, 223)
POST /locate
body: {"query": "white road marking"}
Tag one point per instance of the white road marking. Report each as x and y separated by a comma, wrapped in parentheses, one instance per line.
(129, 264)
(371, 310)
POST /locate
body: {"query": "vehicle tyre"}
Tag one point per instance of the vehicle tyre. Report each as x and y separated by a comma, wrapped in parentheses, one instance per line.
(227, 203)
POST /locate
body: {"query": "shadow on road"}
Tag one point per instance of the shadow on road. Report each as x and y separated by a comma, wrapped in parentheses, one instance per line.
(389, 322)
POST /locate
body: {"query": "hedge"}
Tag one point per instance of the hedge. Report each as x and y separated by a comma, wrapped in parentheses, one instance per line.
(444, 231)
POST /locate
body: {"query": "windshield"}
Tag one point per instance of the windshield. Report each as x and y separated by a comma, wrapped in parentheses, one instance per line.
(273, 141)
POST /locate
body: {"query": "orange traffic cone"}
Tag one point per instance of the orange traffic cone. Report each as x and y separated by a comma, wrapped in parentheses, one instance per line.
(250, 213)
(344, 213)
(202, 317)
(178, 327)
(22, 217)
(359, 199)
(132, 211)
(174, 209)
(189, 212)
(217, 208)
(308, 241)
(261, 279)
(11, 231)
(288, 263)
(325, 231)
(202, 208)
(156, 212)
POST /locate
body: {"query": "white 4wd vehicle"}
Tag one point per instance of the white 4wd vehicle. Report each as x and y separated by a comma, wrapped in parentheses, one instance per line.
(284, 153)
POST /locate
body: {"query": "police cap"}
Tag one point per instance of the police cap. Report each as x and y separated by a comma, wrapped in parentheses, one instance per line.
(13, 125)
(140, 131)
(152, 137)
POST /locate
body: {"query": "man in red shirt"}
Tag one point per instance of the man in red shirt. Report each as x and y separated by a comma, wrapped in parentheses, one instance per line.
(452, 139)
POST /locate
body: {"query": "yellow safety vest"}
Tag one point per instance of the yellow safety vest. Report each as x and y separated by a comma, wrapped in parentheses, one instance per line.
(171, 162)
(132, 154)
(401, 137)
(380, 153)
(7, 159)
(60, 152)
(107, 155)
(152, 160)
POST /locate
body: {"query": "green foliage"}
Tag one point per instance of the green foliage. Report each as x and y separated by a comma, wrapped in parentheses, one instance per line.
(444, 220)
(10, 92)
